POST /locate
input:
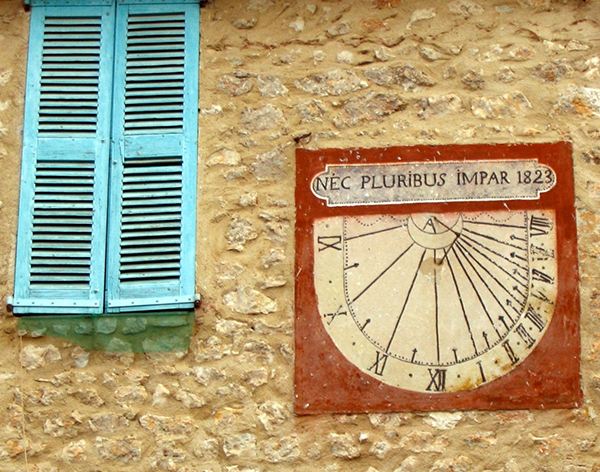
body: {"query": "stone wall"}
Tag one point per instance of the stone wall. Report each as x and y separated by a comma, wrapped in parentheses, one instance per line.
(275, 76)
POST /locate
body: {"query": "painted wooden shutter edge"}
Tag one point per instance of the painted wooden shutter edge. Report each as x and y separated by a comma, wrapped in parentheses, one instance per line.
(149, 297)
(59, 300)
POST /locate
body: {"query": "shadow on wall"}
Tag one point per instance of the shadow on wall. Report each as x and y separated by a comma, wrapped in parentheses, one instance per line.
(124, 332)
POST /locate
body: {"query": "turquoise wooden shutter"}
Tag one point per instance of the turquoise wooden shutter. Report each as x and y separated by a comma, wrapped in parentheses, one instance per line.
(151, 242)
(62, 215)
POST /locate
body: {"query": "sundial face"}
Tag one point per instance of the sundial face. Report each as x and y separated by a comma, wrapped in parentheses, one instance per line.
(436, 302)
(436, 278)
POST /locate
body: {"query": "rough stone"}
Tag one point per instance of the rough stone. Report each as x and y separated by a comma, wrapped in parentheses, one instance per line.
(33, 357)
(380, 449)
(259, 119)
(224, 157)
(420, 15)
(205, 375)
(134, 325)
(384, 54)
(507, 105)
(298, 24)
(582, 101)
(248, 199)
(423, 441)
(312, 112)
(75, 451)
(235, 86)
(521, 53)
(80, 357)
(442, 105)
(505, 74)
(106, 325)
(286, 449)
(269, 166)
(552, 71)
(127, 449)
(336, 82)
(345, 57)
(168, 424)
(189, 400)
(430, 54)
(239, 233)
(245, 23)
(247, 301)
(343, 446)
(408, 77)
(270, 86)
(106, 423)
(454, 464)
(240, 446)
(59, 427)
(369, 108)
(256, 377)
(465, 8)
(339, 29)
(473, 80)
(88, 396)
(272, 415)
(443, 420)
(131, 393)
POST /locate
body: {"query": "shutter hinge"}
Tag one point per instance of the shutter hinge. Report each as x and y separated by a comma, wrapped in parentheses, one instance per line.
(197, 300)
(9, 304)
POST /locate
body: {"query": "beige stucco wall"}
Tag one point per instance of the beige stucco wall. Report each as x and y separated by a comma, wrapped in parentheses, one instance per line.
(496, 71)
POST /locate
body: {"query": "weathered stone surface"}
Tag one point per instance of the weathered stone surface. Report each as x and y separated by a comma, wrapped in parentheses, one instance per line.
(441, 105)
(127, 449)
(465, 8)
(473, 80)
(134, 325)
(420, 15)
(312, 112)
(505, 74)
(240, 446)
(343, 27)
(190, 400)
(131, 393)
(443, 420)
(269, 166)
(33, 357)
(106, 423)
(235, 86)
(369, 108)
(248, 301)
(286, 449)
(380, 449)
(423, 441)
(60, 427)
(335, 82)
(552, 71)
(431, 54)
(270, 86)
(458, 464)
(239, 233)
(263, 118)
(344, 446)
(272, 415)
(245, 23)
(408, 77)
(582, 101)
(168, 424)
(80, 357)
(224, 157)
(88, 396)
(504, 106)
(75, 451)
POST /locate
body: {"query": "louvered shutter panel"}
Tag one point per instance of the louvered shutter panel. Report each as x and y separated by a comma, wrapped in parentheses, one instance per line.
(62, 215)
(151, 241)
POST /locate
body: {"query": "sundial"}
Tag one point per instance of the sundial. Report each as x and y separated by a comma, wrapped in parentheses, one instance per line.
(436, 278)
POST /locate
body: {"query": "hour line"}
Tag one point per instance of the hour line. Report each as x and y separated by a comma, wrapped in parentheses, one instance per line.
(496, 253)
(381, 274)
(375, 232)
(494, 263)
(437, 321)
(467, 255)
(500, 284)
(406, 300)
(489, 223)
(494, 239)
(462, 306)
(476, 292)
